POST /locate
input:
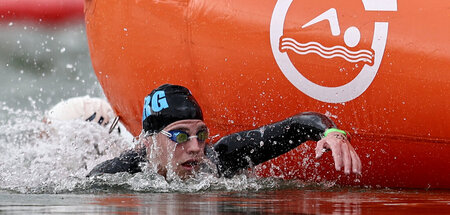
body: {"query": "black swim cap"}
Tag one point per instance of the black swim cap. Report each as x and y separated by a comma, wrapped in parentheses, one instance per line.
(167, 104)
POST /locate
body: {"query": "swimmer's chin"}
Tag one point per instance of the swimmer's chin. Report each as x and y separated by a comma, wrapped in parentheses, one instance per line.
(188, 169)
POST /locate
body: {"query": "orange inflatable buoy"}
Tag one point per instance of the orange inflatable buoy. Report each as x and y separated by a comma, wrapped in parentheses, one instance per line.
(378, 68)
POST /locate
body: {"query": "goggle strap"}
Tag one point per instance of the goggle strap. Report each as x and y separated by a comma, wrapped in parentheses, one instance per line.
(166, 133)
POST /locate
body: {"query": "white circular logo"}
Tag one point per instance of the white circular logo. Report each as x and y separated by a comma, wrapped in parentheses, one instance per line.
(372, 58)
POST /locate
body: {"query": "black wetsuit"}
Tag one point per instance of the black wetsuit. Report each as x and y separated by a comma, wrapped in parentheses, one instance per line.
(240, 150)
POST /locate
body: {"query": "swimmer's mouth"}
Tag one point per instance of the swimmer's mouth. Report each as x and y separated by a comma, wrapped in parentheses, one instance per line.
(190, 164)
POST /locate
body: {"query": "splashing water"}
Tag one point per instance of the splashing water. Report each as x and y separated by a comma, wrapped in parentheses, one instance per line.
(55, 158)
(40, 157)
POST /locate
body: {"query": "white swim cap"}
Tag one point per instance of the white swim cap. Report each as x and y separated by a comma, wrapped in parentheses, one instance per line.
(84, 108)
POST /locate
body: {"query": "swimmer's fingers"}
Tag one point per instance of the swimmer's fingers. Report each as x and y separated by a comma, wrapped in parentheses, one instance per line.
(350, 158)
(339, 150)
(330, 142)
(346, 156)
(320, 147)
(337, 154)
(356, 162)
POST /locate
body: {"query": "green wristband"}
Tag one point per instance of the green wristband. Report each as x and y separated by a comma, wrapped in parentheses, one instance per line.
(334, 130)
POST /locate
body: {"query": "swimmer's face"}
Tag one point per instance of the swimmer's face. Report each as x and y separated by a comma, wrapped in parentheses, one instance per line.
(184, 158)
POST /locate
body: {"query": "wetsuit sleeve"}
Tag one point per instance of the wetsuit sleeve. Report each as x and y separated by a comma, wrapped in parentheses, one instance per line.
(249, 148)
(128, 161)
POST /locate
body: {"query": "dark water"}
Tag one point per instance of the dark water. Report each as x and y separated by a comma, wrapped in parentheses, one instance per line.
(45, 174)
(285, 201)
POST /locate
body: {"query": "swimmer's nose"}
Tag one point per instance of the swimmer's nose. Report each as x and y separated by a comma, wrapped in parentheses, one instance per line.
(193, 146)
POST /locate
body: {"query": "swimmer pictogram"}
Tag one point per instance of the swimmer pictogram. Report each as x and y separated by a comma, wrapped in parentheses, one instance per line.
(281, 44)
(352, 37)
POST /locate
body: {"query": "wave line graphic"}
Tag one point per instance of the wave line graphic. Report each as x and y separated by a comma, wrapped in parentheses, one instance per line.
(325, 48)
(328, 56)
(327, 52)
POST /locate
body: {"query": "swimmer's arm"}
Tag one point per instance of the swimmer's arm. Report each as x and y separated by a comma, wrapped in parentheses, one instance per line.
(250, 148)
(127, 162)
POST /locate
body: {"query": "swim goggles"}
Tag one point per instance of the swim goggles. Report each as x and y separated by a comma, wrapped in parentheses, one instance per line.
(182, 136)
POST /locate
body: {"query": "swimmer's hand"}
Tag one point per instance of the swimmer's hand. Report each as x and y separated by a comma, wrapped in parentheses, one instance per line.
(344, 154)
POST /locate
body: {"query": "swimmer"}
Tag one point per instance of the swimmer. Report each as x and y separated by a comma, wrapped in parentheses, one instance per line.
(173, 121)
(84, 108)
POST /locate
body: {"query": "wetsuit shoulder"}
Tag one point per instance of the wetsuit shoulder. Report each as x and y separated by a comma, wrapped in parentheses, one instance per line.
(247, 148)
(128, 161)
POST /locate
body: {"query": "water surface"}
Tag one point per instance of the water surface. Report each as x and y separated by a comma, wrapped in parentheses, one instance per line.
(285, 201)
